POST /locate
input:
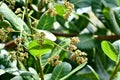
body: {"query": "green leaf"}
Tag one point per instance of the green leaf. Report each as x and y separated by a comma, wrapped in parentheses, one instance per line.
(33, 71)
(106, 14)
(57, 50)
(109, 50)
(96, 75)
(4, 24)
(117, 14)
(116, 45)
(82, 22)
(36, 49)
(61, 70)
(17, 78)
(81, 3)
(45, 22)
(13, 19)
(74, 70)
(60, 9)
(86, 42)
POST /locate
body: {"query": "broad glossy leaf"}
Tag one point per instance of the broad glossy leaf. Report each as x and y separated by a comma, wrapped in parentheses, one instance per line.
(13, 19)
(60, 71)
(109, 50)
(36, 49)
(45, 22)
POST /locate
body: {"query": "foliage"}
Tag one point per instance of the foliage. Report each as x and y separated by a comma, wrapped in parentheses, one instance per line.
(50, 40)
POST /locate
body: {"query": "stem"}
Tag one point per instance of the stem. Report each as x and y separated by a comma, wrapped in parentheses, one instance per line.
(40, 68)
(74, 71)
(27, 15)
(115, 71)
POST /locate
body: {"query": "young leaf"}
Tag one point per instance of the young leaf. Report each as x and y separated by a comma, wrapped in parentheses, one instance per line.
(45, 22)
(109, 50)
(60, 9)
(60, 71)
(36, 49)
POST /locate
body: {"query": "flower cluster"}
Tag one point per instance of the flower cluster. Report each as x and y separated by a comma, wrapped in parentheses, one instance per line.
(51, 11)
(76, 55)
(69, 10)
(79, 56)
(40, 37)
(54, 60)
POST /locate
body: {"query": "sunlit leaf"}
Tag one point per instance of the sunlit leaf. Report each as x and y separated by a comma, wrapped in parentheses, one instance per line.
(109, 50)
(36, 49)
(60, 9)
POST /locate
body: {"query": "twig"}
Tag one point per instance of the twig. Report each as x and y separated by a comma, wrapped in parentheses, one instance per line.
(40, 68)
(115, 71)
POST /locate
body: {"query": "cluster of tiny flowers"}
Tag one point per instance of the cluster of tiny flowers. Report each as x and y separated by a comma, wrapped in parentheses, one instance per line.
(40, 37)
(79, 57)
(54, 60)
(51, 11)
(3, 35)
(73, 41)
(76, 55)
(69, 7)
(20, 52)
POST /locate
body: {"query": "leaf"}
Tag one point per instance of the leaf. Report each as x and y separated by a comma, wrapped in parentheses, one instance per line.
(45, 22)
(4, 24)
(86, 42)
(74, 70)
(2, 71)
(36, 49)
(106, 14)
(57, 50)
(82, 22)
(60, 9)
(60, 71)
(48, 35)
(13, 19)
(96, 75)
(61, 21)
(17, 78)
(33, 71)
(117, 14)
(81, 3)
(109, 50)
(116, 45)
